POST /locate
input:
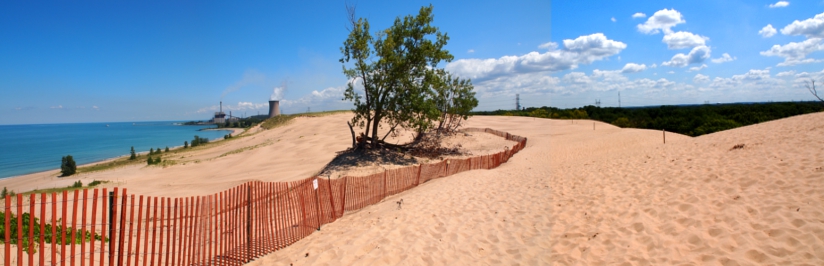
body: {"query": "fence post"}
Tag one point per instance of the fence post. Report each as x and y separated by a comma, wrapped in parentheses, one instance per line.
(249, 222)
(111, 225)
(316, 186)
(664, 132)
(418, 182)
(7, 235)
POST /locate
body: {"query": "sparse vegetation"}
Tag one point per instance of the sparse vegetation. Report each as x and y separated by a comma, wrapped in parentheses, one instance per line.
(133, 154)
(6, 192)
(68, 166)
(402, 86)
(197, 141)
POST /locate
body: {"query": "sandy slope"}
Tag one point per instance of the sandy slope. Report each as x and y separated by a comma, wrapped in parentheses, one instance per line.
(573, 196)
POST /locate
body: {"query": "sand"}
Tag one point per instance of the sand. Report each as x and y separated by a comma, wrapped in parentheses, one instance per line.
(573, 196)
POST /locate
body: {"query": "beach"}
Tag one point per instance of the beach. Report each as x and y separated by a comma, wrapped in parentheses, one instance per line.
(580, 193)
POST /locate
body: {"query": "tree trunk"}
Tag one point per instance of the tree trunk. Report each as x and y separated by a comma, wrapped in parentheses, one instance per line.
(354, 144)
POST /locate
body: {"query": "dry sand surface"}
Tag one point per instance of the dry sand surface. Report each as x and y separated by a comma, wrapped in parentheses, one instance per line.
(573, 196)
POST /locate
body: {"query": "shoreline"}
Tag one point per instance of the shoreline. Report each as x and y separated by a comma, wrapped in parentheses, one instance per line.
(110, 159)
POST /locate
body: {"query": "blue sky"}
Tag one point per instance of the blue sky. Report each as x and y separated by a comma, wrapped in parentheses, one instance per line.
(119, 61)
(681, 52)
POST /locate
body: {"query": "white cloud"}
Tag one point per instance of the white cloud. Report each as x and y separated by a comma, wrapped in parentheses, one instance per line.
(767, 31)
(795, 53)
(812, 27)
(470, 51)
(699, 78)
(780, 4)
(696, 56)
(671, 72)
(549, 46)
(611, 76)
(683, 39)
(536, 82)
(576, 78)
(639, 15)
(57, 107)
(753, 74)
(654, 65)
(786, 73)
(95, 107)
(633, 68)
(724, 58)
(582, 50)
(662, 20)
(613, 19)
(698, 68)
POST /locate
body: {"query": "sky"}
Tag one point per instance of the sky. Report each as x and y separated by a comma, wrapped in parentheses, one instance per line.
(107, 61)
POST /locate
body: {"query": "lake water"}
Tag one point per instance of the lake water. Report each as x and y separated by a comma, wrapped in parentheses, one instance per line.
(26, 149)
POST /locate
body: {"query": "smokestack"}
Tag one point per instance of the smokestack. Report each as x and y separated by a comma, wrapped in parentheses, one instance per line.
(221, 106)
(274, 108)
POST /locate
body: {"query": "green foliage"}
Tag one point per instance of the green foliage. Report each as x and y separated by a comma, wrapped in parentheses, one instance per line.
(167, 149)
(540, 113)
(197, 141)
(227, 136)
(133, 154)
(151, 151)
(153, 161)
(68, 166)
(402, 86)
(57, 231)
(7, 192)
(622, 122)
(185, 144)
(97, 182)
(77, 184)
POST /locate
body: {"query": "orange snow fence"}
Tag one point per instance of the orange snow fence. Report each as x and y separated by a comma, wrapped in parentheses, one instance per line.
(232, 227)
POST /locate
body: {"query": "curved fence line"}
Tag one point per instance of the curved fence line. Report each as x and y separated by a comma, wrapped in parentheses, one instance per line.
(232, 227)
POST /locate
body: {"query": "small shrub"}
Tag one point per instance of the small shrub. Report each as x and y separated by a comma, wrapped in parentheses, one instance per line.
(151, 151)
(77, 184)
(185, 144)
(167, 148)
(96, 182)
(134, 155)
(7, 192)
(68, 166)
(150, 161)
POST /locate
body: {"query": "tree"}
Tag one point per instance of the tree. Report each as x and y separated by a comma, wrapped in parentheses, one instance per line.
(454, 98)
(151, 151)
(167, 149)
(133, 154)
(68, 166)
(185, 144)
(398, 71)
(811, 87)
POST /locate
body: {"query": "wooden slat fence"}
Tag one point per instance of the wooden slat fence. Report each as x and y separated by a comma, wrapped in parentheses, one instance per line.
(232, 227)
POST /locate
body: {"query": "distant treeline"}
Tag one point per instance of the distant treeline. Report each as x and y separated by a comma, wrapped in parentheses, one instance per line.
(691, 120)
(240, 123)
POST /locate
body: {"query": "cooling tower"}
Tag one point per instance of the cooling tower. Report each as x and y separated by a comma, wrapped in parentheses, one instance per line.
(274, 108)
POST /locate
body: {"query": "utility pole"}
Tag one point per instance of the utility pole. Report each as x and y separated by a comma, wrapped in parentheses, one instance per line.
(598, 103)
(517, 102)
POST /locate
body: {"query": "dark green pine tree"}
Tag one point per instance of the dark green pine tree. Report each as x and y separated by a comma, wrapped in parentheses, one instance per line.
(133, 154)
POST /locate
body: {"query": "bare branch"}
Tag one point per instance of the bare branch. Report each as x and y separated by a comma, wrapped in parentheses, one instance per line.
(350, 17)
(811, 87)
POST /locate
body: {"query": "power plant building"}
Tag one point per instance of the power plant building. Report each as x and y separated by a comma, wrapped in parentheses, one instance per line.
(220, 117)
(274, 108)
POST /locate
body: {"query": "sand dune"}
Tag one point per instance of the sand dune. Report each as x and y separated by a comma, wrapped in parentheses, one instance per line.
(573, 196)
